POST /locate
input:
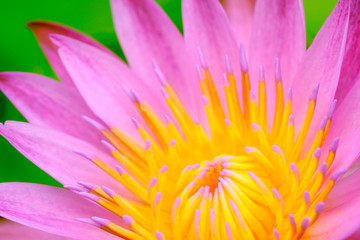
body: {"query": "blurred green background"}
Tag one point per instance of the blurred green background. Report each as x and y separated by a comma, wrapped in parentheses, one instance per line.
(19, 51)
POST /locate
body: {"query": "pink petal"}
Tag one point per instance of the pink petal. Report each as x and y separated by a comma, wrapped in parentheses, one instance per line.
(240, 13)
(14, 231)
(321, 64)
(206, 26)
(52, 210)
(146, 33)
(346, 125)
(53, 152)
(278, 32)
(43, 29)
(49, 103)
(344, 191)
(101, 79)
(350, 70)
(340, 219)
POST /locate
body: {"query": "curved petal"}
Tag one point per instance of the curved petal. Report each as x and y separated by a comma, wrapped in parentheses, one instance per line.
(52, 210)
(42, 30)
(321, 64)
(346, 125)
(146, 33)
(49, 103)
(278, 32)
(55, 153)
(102, 79)
(350, 70)
(240, 13)
(340, 218)
(206, 26)
(14, 231)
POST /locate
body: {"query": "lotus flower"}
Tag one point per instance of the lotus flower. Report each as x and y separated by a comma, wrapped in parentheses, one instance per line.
(232, 131)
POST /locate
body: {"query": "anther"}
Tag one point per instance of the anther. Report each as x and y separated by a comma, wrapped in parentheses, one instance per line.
(87, 185)
(74, 188)
(227, 122)
(319, 207)
(89, 196)
(334, 145)
(101, 221)
(243, 62)
(226, 80)
(295, 170)
(256, 127)
(164, 93)
(316, 154)
(172, 143)
(250, 149)
(261, 73)
(159, 235)
(128, 220)
(252, 95)
(306, 197)
(276, 234)
(119, 169)
(88, 156)
(305, 222)
(167, 119)
(291, 120)
(228, 231)
(323, 168)
(209, 164)
(278, 150)
(159, 73)
(108, 145)
(228, 65)
(314, 92)
(278, 76)
(336, 176)
(205, 100)
(136, 123)
(202, 58)
(332, 109)
(175, 207)
(108, 191)
(289, 94)
(163, 169)
(177, 203)
(152, 183)
(94, 123)
(196, 166)
(197, 122)
(134, 96)
(148, 144)
(212, 219)
(235, 208)
(88, 221)
(292, 222)
(323, 123)
(196, 223)
(277, 195)
(258, 182)
(199, 72)
(157, 199)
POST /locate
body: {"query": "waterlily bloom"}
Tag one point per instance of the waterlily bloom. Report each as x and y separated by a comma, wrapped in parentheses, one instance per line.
(232, 131)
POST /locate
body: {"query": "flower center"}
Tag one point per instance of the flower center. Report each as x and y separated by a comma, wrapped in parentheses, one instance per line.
(244, 182)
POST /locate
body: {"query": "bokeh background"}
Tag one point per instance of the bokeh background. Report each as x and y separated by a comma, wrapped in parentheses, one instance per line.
(19, 51)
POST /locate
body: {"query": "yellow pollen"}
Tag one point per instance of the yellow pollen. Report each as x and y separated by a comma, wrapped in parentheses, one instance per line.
(243, 180)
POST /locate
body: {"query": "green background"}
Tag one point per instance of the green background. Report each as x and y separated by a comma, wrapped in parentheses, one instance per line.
(20, 52)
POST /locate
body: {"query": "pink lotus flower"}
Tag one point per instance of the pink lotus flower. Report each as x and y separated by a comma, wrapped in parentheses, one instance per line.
(239, 149)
